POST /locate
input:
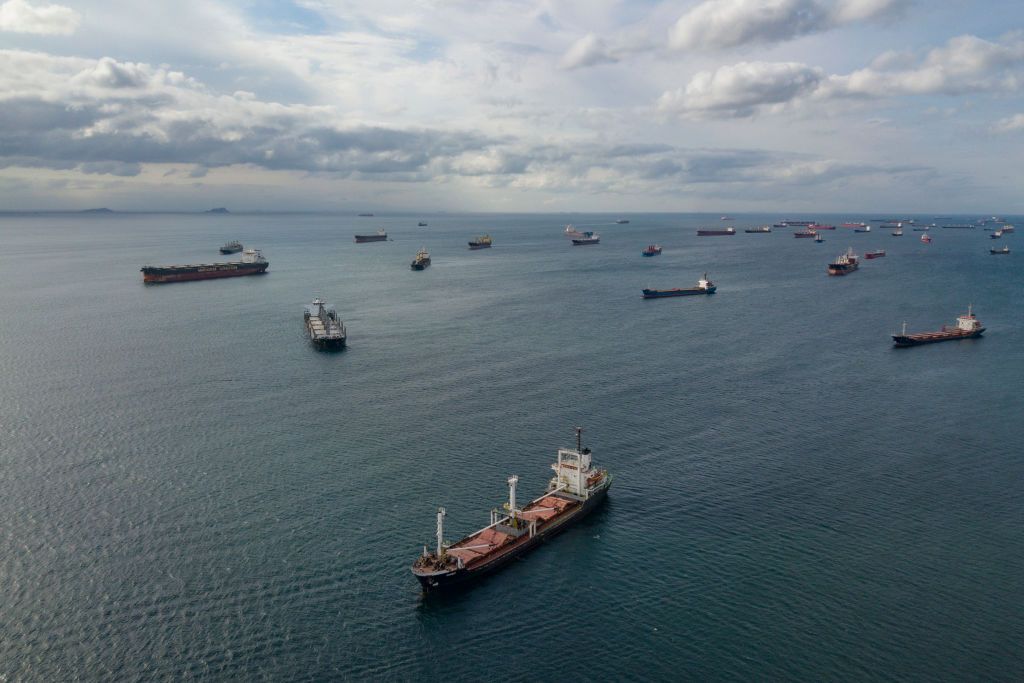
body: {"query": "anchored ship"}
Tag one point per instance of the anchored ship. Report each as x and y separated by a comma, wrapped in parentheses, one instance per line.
(844, 264)
(422, 259)
(622, 221)
(714, 232)
(763, 228)
(652, 250)
(1004, 250)
(704, 286)
(482, 242)
(231, 247)
(877, 253)
(818, 237)
(577, 488)
(926, 238)
(571, 231)
(804, 233)
(586, 238)
(252, 263)
(967, 327)
(380, 236)
(325, 330)
(819, 226)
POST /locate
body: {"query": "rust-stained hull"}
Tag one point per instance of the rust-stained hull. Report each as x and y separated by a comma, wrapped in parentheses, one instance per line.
(158, 275)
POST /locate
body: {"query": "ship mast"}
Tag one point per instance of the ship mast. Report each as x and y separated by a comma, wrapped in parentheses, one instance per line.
(440, 531)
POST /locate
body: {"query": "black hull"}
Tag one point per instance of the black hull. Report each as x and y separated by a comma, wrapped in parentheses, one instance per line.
(420, 266)
(329, 345)
(463, 577)
(903, 341)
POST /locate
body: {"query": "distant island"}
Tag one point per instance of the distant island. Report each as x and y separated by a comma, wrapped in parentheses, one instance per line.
(219, 209)
(102, 210)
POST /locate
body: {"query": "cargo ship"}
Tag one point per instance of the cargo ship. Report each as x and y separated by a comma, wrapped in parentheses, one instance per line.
(571, 231)
(325, 330)
(898, 232)
(422, 260)
(844, 264)
(804, 233)
(866, 228)
(877, 253)
(1007, 228)
(704, 286)
(652, 250)
(819, 226)
(762, 229)
(586, 238)
(818, 237)
(622, 221)
(996, 235)
(796, 224)
(855, 225)
(482, 242)
(252, 263)
(959, 227)
(1004, 250)
(380, 236)
(231, 247)
(715, 232)
(967, 327)
(577, 488)
(421, 224)
(926, 238)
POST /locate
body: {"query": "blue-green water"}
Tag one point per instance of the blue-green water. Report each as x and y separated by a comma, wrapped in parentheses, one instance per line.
(188, 489)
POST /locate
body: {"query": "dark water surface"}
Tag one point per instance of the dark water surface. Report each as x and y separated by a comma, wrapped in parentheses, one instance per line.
(188, 489)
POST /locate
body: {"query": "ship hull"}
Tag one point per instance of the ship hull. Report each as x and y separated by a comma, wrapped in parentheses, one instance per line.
(840, 271)
(474, 246)
(231, 250)
(420, 265)
(157, 275)
(584, 242)
(905, 340)
(458, 578)
(666, 293)
(362, 239)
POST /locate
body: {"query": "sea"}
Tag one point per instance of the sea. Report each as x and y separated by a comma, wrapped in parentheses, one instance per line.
(190, 490)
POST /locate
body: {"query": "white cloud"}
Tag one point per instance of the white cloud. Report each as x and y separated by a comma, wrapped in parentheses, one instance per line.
(18, 16)
(717, 24)
(587, 51)
(1009, 124)
(964, 64)
(740, 89)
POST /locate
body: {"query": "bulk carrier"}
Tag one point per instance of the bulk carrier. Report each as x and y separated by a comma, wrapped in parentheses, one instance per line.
(252, 263)
(967, 327)
(576, 489)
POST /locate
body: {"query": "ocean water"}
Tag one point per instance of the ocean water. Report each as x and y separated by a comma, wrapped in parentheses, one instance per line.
(189, 490)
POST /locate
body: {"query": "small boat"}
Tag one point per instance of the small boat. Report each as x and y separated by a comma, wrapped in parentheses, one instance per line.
(712, 232)
(1004, 250)
(621, 221)
(898, 232)
(652, 250)
(996, 235)
(818, 237)
(926, 238)
(877, 253)
(325, 330)
(866, 228)
(422, 259)
(804, 233)
(585, 239)
(421, 224)
(381, 236)
(231, 247)
(844, 264)
(571, 231)
(704, 286)
(482, 242)
(726, 218)
(762, 229)
(967, 327)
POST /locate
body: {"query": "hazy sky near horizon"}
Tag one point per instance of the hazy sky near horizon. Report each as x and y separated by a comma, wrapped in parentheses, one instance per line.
(513, 105)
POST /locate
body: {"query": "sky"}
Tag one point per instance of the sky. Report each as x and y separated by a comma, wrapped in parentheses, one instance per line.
(513, 105)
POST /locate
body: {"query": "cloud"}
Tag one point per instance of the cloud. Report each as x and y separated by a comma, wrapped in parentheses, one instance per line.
(965, 64)
(587, 51)
(740, 89)
(18, 16)
(111, 116)
(718, 24)
(1009, 124)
